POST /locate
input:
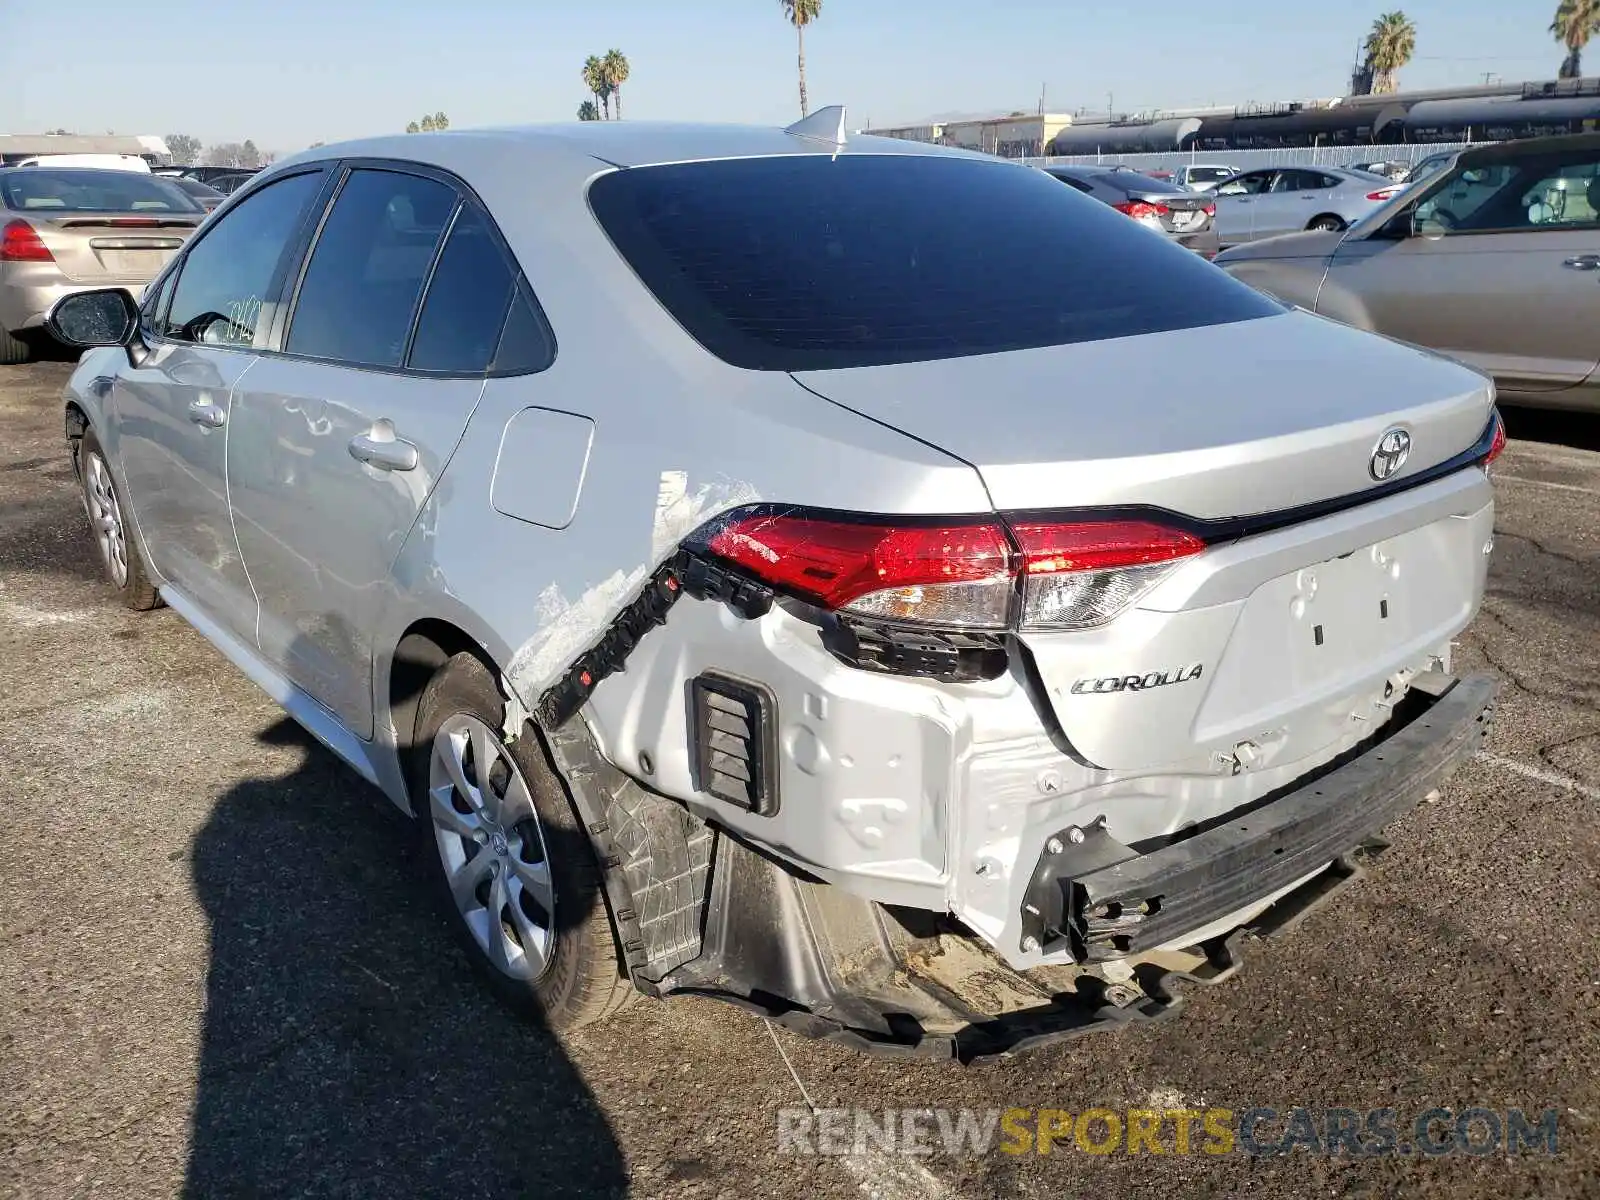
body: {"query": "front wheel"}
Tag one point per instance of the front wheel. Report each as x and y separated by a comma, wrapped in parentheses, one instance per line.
(1328, 223)
(511, 863)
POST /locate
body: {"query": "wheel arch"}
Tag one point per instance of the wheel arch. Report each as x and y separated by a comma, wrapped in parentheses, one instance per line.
(1327, 216)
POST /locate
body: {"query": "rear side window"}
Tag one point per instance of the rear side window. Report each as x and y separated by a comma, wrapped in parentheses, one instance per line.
(47, 190)
(809, 262)
(362, 284)
(228, 275)
(466, 303)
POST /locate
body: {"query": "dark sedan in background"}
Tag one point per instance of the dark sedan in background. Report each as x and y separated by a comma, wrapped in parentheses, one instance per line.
(1166, 208)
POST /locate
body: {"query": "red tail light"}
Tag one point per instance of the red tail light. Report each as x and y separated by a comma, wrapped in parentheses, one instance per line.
(957, 572)
(1383, 194)
(1140, 209)
(1498, 443)
(20, 243)
(1211, 210)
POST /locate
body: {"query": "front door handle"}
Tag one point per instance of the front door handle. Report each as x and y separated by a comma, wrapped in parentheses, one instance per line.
(205, 412)
(1583, 262)
(381, 449)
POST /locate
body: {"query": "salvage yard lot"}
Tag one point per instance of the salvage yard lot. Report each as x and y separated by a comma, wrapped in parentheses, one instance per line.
(216, 975)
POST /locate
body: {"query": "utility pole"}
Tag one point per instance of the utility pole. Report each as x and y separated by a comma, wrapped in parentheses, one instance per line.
(1111, 108)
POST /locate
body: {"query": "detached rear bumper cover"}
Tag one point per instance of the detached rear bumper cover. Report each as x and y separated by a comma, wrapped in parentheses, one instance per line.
(1119, 902)
(828, 964)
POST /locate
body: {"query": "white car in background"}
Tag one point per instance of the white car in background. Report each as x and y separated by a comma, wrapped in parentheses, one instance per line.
(100, 162)
(1202, 177)
(1287, 199)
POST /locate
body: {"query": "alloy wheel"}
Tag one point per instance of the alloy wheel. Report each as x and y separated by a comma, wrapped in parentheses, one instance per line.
(492, 847)
(106, 515)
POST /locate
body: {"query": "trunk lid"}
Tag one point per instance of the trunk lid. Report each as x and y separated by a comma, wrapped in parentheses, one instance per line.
(114, 247)
(1281, 642)
(1219, 421)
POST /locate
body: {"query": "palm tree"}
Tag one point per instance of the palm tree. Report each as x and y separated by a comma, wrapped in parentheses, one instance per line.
(615, 67)
(413, 128)
(588, 112)
(801, 13)
(1389, 47)
(440, 121)
(1575, 22)
(594, 78)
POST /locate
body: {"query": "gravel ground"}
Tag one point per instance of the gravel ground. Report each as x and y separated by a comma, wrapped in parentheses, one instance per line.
(216, 978)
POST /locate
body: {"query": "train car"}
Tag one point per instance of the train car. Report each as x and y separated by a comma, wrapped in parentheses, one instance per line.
(1126, 137)
(1501, 119)
(1293, 126)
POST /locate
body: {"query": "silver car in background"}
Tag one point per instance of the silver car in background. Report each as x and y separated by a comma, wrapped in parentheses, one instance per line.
(778, 568)
(1163, 207)
(1277, 200)
(68, 229)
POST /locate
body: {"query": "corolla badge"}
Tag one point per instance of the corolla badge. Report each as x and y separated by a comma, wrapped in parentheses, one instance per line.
(1390, 454)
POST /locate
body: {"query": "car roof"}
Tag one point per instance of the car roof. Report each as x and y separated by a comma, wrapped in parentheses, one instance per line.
(1500, 152)
(617, 143)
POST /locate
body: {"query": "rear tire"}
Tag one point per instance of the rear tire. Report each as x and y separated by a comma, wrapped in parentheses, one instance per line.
(13, 350)
(121, 550)
(1328, 223)
(510, 862)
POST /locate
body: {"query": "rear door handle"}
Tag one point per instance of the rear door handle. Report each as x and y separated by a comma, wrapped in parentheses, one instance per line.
(1583, 262)
(381, 449)
(204, 412)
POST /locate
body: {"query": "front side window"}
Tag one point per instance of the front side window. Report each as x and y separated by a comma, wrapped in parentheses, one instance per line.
(811, 262)
(1532, 194)
(365, 276)
(227, 276)
(1252, 184)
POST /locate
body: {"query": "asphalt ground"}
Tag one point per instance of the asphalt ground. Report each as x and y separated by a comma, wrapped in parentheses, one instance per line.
(217, 977)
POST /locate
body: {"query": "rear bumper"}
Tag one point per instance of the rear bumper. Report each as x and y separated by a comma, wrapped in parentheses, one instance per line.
(1104, 900)
(25, 301)
(832, 965)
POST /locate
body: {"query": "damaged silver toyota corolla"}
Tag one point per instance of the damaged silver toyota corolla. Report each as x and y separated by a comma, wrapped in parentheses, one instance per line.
(779, 567)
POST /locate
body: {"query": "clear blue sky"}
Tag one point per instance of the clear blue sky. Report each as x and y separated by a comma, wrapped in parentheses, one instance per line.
(286, 73)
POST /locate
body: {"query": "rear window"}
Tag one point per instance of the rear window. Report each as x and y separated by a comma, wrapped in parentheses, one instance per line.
(1133, 183)
(1209, 174)
(809, 262)
(46, 190)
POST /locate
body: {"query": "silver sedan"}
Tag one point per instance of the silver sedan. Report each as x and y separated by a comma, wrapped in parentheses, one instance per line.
(1277, 200)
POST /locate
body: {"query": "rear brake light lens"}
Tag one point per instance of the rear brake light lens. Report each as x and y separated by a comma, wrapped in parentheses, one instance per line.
(1498, 443)
(954, 574)
(1141, 210)
(20, 242)
(950, 574)
(1383, 194)
(1077, 576)
(1211, 210)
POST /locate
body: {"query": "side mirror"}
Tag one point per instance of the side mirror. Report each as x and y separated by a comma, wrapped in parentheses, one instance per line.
(104, 317)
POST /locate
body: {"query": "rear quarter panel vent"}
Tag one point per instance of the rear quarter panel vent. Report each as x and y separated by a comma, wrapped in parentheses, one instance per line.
(733, 741)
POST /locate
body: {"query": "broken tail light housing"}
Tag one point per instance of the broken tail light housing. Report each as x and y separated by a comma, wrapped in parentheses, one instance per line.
(953, 573)
(1077, 575)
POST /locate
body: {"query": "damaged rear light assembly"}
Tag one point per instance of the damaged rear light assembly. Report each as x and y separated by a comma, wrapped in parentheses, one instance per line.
(979, 574)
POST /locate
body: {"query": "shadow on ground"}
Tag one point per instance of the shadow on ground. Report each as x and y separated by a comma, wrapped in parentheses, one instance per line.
(347, 1048)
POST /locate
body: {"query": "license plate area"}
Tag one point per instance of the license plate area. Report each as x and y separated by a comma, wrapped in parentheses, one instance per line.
(1331, 626)
(135, 261)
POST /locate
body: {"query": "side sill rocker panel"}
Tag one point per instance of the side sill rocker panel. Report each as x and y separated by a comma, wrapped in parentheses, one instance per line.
(316, 720)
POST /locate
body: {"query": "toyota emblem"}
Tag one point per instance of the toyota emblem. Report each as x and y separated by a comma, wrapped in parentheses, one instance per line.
(1390, 454)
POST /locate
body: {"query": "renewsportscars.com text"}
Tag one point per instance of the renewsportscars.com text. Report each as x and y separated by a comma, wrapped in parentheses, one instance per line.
(1259, 1131)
